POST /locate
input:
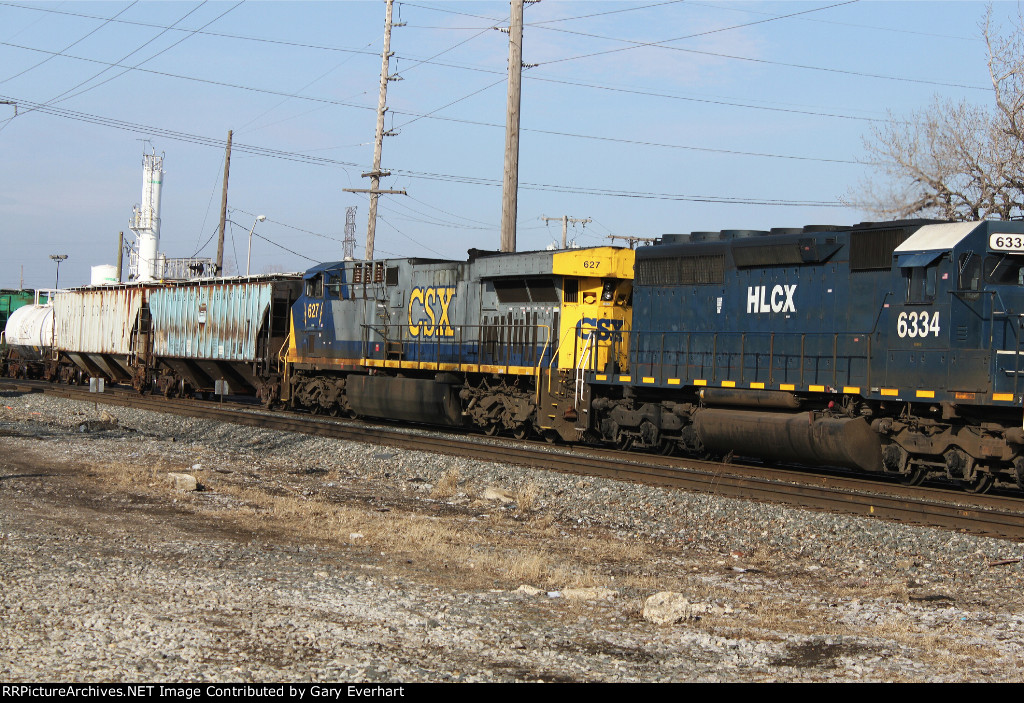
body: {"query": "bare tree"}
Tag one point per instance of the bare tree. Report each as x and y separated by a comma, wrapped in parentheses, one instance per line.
(955, 160)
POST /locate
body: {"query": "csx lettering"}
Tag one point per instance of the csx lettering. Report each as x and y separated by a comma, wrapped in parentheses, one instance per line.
(434, 303)
(780, 299)
(602, 329)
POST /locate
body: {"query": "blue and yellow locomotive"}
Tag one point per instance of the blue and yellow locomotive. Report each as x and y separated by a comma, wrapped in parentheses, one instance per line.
(499, 342)
(892, 348)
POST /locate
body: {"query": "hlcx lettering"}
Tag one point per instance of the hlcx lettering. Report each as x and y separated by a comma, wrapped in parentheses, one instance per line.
(428, 312)
(780, 300)
(602, 329)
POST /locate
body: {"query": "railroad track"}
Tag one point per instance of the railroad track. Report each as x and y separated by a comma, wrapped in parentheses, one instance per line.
(990, 515)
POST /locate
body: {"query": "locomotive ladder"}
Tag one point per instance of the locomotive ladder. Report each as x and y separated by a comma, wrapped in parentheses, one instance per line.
(581, 369)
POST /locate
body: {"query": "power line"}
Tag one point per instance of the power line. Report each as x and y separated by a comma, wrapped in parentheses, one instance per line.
(470, 180)
(663, 45)
(816, 20)
(77, 41)
(344, 103)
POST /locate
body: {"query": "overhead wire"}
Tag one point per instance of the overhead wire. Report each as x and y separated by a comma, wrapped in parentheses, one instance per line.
(105, 22)
(345, 103)
(663, 44)
(471, 180)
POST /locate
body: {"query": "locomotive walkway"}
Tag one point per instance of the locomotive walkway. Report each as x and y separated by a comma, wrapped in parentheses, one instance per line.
(988, 515)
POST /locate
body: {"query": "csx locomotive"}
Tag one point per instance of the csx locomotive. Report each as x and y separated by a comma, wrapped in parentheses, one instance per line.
(891, 348)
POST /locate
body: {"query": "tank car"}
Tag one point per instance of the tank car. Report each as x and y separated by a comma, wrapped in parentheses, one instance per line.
(892, 348)
(497, 342)
(27, 333)
(219, 336)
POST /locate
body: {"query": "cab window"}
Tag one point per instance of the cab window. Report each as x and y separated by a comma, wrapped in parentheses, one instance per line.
(920, 283)
(334, 287)
(315, 286)
(1004, 269)
(969, 267)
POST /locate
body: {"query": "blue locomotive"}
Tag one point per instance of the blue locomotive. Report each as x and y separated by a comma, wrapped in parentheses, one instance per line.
(891, 347)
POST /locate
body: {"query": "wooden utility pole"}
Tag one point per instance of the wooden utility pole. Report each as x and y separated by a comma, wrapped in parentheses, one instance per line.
(565, 225)
(378, 144)
(510, 186)
(223, 209)
(120, 255)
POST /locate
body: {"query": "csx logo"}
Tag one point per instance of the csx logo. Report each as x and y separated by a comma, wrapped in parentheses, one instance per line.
(781, 299)
(428, 312)
(602, 329)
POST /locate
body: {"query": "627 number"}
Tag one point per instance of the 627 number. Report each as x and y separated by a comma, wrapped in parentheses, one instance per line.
(917, 324)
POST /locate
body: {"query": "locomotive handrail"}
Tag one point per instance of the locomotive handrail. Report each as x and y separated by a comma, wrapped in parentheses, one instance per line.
(653, 345)
(453, 349)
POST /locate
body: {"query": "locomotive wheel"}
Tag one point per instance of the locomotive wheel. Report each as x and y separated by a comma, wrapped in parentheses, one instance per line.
(520, 431)
(335, 410)
(982, 483)
(491, 430)
(316, 409)
(667, 447)
(623, 442)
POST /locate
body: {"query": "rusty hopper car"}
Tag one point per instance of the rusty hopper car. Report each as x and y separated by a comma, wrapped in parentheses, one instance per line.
(222, 336)
(178, 338)
(98, 330)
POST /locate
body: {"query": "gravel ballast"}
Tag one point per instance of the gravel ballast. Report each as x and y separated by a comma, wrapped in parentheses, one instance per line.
(108, 572)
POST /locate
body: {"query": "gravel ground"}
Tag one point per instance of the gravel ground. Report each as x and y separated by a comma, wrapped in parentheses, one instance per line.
(108, 574)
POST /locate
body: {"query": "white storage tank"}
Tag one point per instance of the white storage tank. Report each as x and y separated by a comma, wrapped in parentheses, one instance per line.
(29, 331)
(104, 275)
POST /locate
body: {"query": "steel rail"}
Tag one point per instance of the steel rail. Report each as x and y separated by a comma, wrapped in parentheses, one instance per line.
(988, 515)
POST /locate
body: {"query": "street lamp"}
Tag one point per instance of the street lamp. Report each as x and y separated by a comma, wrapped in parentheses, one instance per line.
(58, 258)
(248, 256)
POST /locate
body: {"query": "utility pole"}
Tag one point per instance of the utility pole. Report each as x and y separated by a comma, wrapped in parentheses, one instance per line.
(376, 174)
(565, 225)
(348, 245)
(223, 209)
(510, 185)
(120, 255)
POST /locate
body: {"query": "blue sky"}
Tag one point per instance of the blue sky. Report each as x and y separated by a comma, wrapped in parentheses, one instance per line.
(746, 115)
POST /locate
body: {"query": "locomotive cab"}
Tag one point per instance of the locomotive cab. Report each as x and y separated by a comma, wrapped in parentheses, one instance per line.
(954, 310)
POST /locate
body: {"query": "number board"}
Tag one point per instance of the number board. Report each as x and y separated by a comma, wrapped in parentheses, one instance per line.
(1006, 242)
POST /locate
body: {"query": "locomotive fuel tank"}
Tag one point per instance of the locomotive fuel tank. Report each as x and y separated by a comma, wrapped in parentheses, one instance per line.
(411, 399)
(800, 437)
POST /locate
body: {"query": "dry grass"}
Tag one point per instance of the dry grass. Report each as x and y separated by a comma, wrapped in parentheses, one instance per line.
(526, 497)
(447, 485)
(501, 549)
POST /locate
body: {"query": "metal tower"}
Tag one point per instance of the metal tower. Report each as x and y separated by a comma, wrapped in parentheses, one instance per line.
(348, 246)
(145, 220)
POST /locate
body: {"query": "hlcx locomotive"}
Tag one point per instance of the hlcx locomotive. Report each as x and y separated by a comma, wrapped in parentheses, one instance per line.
(892, 348)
